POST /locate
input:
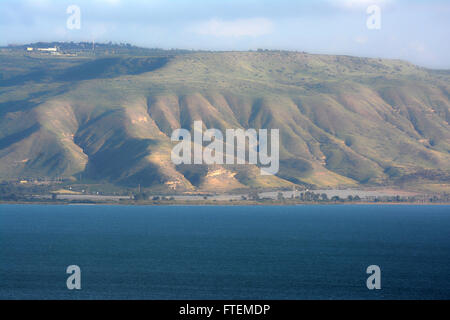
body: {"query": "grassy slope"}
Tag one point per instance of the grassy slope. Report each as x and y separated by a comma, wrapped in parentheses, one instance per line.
(343, 120)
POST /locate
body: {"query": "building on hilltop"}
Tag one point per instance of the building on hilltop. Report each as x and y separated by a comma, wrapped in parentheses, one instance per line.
(51, 50)
(48, 49)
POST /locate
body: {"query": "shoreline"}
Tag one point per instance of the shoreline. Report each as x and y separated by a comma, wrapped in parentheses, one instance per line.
(224, 204)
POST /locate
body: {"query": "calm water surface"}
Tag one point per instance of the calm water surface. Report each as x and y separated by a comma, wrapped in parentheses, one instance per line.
(205, 252)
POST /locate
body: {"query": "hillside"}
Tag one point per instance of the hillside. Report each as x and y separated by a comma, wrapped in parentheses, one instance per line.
(344, 121)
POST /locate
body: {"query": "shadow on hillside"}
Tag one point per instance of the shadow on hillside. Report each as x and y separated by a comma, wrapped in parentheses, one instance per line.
(102, 68)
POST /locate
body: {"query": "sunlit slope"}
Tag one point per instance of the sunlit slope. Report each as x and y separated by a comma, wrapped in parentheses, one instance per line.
(342, 120)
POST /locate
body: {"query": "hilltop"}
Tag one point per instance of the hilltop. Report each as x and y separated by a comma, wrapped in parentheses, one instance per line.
(108, 117)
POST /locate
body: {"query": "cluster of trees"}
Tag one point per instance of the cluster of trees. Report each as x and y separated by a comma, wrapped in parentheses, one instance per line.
(10, 191)
(145, 196)
(442, 198)
(320, 197)
(100, 48)
(304, 196)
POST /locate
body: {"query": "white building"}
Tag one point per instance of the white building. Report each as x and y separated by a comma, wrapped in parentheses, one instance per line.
(48, 49)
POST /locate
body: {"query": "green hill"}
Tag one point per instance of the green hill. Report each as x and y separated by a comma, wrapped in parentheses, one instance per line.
(343, 120)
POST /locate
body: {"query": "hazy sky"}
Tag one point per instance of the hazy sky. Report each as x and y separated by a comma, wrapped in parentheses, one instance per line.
(417, 31)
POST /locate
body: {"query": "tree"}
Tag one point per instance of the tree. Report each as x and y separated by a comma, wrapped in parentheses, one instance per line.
(324, 197)
(280, 196)
(335, 198)
(253, 195)
(307, 196)
(141, 196)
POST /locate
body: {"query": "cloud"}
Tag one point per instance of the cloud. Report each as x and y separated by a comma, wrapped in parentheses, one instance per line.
(253, 27)
(358, 4)
(411, 30)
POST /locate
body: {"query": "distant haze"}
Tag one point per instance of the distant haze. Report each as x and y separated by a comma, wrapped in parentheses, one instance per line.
(416, 31)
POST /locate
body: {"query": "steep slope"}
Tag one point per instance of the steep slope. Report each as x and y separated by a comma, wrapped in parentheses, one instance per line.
(342, 120)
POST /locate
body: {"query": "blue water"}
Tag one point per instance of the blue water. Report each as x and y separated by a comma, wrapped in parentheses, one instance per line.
(194, 252)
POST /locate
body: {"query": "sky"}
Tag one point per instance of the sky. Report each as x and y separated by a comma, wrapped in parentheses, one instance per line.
(413, 30)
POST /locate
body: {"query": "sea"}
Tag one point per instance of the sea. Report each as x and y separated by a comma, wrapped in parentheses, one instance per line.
(225, 252)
